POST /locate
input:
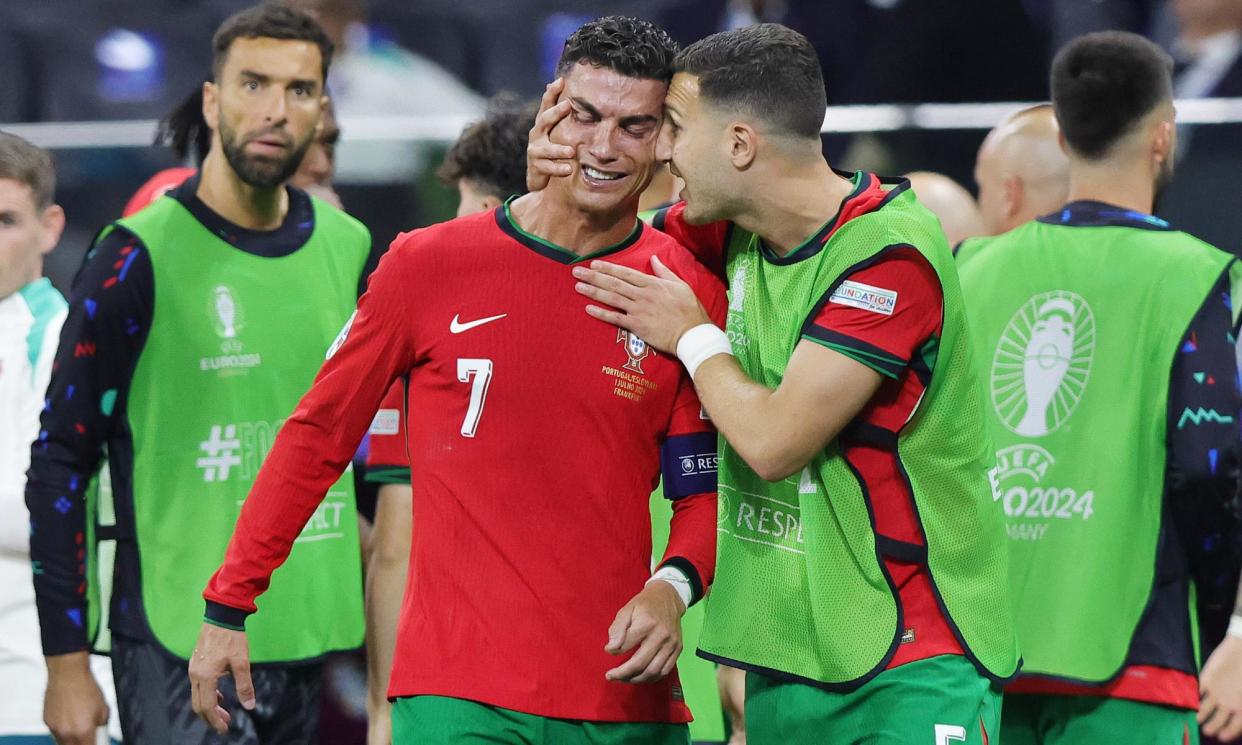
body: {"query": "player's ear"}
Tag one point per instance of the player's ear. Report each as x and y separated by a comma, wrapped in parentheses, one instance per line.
(1163, 139)
(211, 105)
(743, 144)
(1012, 190)
(52, 220)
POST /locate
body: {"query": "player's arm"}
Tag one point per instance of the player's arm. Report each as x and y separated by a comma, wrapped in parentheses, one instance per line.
(386, 578)
(692, 439)
(103, 335)
(1202, 485)
(778, 431)
(310, 452)
(840, 361)
(389, 466)
(651, 621)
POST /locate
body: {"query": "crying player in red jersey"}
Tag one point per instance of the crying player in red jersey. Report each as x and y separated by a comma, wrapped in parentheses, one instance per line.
(536, 435)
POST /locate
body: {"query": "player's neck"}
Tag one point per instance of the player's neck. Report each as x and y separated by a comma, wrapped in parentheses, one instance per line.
(251, 207)
(1122, 185)
(551, 217)
(794, 201)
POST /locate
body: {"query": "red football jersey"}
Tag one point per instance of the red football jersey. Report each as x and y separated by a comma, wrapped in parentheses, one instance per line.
(156, 187)
(535, 438)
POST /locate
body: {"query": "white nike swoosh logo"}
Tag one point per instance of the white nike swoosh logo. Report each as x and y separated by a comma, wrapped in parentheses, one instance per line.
(457, 327)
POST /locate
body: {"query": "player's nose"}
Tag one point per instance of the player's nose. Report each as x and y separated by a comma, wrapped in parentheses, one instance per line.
(601, 146)
(664, 144)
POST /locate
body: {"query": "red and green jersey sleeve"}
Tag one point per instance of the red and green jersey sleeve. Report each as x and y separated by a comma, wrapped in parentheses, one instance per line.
(387, 459)
(688, 458)
(882, 315)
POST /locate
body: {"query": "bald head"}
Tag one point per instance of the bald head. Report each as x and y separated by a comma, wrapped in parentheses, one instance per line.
(958, 213)
(335, 16)
(1022, 172)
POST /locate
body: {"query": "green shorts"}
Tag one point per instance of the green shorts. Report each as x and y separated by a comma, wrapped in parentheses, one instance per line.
(1064, 720)
(438, 720)
(941, 700)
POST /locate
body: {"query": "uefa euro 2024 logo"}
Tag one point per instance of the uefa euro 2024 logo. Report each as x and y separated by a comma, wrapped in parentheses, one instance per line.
(1042, 363)
(226, 313)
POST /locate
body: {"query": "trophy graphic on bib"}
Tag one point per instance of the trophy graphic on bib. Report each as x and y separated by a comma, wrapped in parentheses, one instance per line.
(1042, 363)
(226, 311)
(1048, 354)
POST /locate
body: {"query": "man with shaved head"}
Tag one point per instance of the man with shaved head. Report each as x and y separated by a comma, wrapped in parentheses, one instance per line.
(1022, 172)
(954, 206)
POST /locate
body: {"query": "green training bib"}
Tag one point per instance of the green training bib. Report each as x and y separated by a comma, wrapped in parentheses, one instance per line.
(235, 341)
(1075, 329)
(800, 589)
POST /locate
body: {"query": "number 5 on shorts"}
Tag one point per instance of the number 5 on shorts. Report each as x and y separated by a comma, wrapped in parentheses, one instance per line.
(949, 733)
(481, 371)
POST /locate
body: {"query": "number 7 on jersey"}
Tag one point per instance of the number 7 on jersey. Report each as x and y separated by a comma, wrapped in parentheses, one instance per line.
(481, 372)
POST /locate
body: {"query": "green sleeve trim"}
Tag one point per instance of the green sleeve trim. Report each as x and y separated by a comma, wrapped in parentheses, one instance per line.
(223, 625)
(388, 475)
(887, 366)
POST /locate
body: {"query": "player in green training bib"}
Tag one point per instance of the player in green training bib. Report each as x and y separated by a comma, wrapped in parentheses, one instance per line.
(194, 326)
(861, 563)
(1106, 338)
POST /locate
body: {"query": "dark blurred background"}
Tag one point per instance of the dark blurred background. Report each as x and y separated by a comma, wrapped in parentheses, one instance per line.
(75, 61)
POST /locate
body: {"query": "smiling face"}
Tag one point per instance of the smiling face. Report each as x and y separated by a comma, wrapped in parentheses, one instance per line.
(614, 125)
(265, 106)
(698, 151)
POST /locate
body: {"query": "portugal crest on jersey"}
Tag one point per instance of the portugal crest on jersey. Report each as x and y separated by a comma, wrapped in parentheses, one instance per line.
(635, 348)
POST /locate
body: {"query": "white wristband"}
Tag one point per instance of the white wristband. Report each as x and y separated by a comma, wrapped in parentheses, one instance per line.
(701, 343)
(676, 578)
(1235, 626)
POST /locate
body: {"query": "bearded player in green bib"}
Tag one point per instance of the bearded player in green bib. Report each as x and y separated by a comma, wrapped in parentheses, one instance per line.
(1107, 338)
(861, 567)
(194, 326)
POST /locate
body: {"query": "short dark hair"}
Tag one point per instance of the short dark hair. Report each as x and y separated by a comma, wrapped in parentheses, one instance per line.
(630, 46)
(1103, 84)
(270, 20)
(768, 70)
(491, 153)
(28, 164)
